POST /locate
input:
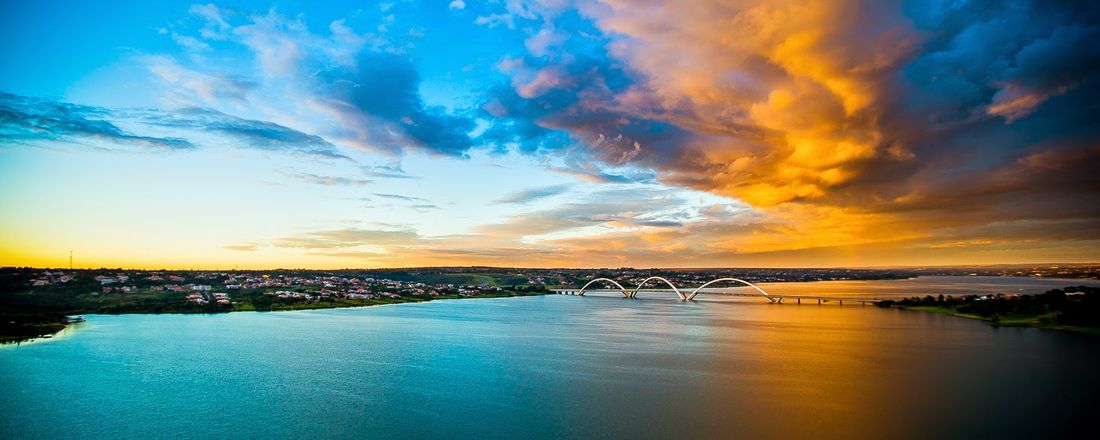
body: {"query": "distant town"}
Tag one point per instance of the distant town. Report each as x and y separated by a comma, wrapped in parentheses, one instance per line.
(286, 288)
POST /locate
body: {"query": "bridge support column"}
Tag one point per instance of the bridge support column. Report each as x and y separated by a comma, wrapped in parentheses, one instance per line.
(799, 300)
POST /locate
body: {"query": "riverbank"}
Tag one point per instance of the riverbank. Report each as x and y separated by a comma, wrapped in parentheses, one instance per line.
(19, 327)
(1073, 309)
(343, 303)
(1045, 320)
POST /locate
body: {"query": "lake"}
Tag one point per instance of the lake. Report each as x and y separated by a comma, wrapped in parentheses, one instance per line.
(561, 366)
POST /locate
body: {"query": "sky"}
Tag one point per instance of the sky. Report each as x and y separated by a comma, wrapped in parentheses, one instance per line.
(551, 133)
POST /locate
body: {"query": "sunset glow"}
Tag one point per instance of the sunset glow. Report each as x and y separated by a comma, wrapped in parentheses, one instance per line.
(548, 134)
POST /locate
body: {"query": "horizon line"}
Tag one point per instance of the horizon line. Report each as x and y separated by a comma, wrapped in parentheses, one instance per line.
(885, 267)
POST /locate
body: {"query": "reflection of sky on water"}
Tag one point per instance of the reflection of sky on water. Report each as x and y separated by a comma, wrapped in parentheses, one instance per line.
(927, 286)
(552, 366)
(920, 286)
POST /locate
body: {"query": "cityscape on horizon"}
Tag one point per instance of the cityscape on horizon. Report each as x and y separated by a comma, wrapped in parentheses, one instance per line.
(1020, 269)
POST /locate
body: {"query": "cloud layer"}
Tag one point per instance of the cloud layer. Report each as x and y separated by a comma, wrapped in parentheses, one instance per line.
(924, 128)
(858, 122)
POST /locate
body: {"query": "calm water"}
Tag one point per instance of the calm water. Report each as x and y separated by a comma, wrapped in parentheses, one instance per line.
(920, 286)
(552, 366)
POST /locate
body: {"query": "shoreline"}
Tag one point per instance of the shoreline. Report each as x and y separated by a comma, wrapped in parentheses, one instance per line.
(1027, 322)
(24, 327)
(65, 332)
(15, 340)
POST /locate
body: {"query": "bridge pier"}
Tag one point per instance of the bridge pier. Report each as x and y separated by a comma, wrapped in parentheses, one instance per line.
(799, 300)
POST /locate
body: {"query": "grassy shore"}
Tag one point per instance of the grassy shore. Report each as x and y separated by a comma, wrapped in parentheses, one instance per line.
(21, 327)
(1045, 320)
(1073, 309)
(344, 303)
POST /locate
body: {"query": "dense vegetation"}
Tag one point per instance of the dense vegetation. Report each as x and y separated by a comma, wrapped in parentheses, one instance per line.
(1071, 308)
(16, 326)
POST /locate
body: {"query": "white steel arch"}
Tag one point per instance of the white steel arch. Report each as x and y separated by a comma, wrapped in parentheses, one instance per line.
(621, 288)
(634, 293)
(696, 291)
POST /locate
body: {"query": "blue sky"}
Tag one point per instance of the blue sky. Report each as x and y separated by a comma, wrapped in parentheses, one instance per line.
(577, 133)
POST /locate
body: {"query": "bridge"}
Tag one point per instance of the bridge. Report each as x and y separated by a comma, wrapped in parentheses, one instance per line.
(772, 298)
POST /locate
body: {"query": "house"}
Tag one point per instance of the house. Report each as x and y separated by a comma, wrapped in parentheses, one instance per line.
(221, 298)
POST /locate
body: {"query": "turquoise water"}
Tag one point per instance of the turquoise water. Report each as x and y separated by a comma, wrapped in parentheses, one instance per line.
(550, 367)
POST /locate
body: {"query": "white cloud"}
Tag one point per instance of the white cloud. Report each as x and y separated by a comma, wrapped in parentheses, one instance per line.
(216, 26)
(494, 20)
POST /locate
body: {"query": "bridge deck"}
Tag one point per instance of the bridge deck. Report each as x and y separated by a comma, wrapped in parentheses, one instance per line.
(779, 298)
